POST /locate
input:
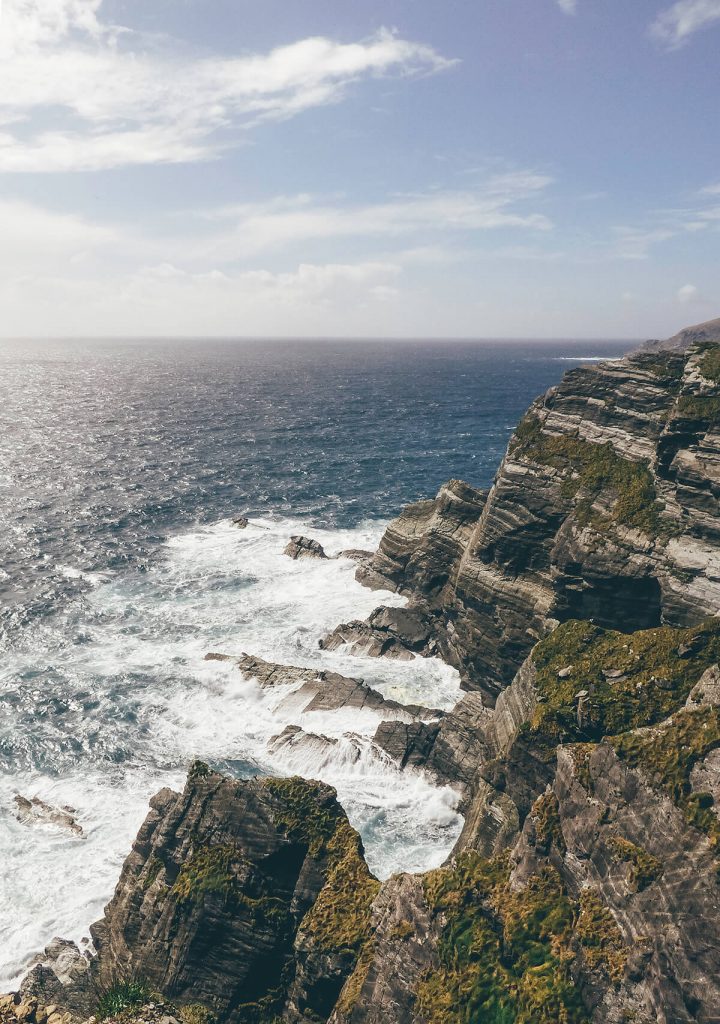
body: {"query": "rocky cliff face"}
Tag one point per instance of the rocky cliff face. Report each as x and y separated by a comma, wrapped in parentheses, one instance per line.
(580, 599)
(606, 507)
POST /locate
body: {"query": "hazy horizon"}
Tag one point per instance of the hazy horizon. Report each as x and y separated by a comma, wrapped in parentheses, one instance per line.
(530, 168)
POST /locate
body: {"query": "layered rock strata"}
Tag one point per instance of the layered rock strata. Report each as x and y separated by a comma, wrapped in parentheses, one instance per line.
(606, 507)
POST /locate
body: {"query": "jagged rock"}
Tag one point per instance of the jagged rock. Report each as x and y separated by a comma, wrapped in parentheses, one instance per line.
(418, 551)
(358, 555)
(304, 547)
(606, 507)
(232, 895)
(60, 977)
(36, 812)
(403, 949)
(398, 633)
(322, 690)
(298, 747)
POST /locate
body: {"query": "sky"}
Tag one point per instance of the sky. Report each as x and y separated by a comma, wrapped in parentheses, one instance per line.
(359, 168)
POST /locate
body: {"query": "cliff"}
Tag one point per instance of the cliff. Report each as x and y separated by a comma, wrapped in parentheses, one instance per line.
(606, 507)
(580, 599)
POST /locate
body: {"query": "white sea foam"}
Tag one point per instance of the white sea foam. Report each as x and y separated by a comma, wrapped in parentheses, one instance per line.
(140, 702)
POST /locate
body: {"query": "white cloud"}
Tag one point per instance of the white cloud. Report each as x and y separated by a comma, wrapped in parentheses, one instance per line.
(569, 6)
(678, 23)
(116, 101)
(497, 204)
(688, 294)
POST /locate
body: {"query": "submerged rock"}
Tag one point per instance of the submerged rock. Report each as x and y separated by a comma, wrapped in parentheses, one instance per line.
(36, 812)
(304, 547)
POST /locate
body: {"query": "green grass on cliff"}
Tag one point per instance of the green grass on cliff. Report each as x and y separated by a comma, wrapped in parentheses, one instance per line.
(592, 470)
(122, 998)
(668, 753)
(703, 408)
(710, 363)
(506, 955)
(643, 867)
(632, 680)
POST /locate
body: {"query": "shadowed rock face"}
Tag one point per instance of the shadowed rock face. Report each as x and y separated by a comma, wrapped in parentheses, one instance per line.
(231, 898)
(606, 507)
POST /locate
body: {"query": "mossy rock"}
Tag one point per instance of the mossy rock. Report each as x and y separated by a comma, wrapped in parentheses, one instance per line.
(644, 868)
(591, 470)
(505, 955)
(667, 755)
(631, 679)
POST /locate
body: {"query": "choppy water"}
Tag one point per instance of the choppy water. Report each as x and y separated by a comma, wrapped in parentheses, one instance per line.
(120, 467)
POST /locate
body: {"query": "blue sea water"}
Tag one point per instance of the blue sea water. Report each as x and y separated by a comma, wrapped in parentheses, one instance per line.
(121, 467)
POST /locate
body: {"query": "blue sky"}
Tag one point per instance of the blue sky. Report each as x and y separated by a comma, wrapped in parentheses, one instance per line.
(482, 168)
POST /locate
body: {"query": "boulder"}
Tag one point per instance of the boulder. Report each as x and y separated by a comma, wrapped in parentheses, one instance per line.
(304, 547)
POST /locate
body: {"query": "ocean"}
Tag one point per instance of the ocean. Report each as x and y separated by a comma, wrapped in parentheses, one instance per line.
(122, 465)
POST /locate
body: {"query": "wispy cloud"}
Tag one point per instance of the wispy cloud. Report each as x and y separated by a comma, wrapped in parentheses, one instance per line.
(117, 99)
(569, 6)
(674, 26)
(500, 203)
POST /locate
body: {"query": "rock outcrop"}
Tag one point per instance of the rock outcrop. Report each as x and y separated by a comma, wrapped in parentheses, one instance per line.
(398, 633)
(320, 690)
(606, 507)
(251, 899)
(35, 811)
(304, 547)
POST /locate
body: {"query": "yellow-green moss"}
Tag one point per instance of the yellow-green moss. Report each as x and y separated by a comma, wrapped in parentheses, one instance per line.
(303, 812)
(339, 920)
(599, 936)
(668, 755)
(705, 408)
(196, 1014)
(659, 668)
(210, 869)
(353, 986)
(154, 868)
(644, 868)
(591, 470)
(709, 365)
(504, 955)
(546, 814)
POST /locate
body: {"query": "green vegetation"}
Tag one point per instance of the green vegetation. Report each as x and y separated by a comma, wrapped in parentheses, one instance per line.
(632, 680)
(705, 408)
(121, 998)
(196, 1014)
(709, 365)
(353, 987)
(210, 869)
(668, 755)
(600, 936)
(304, 812)
(505, 955)
(668, 365)
(644, 867)
(339, 920)
(593, 470)
(546, 814)
(199, 770)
